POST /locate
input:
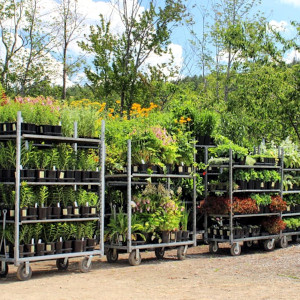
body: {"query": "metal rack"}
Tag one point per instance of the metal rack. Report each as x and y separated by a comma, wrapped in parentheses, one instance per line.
(268, 240)
(133, 249)
(24, 270)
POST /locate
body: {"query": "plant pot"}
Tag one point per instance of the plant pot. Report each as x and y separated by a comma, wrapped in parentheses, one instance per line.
(76, 212)
(51, 175)
(78, 246)
(40, 249)
(41, 175)
(56, 130)
(185, 235)
(24, 213)
(45, 129)
(50, 248)
(200, 139)
(165, 236)
(67, 246)
(90, 244)
(78, 176)
(59, 247)
(32, 213)
(178, 236)
(250, 185)
(11, 214)
(94, 176)
(69, 176)
(207, 140)
(21, 251)
(29, 250)
(56, 212)
(28, 175)
(67, 212)
(43, 213)
(85, 211)
(242, 184)
(8, 175)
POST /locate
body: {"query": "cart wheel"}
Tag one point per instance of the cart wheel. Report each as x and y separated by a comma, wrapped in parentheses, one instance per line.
(112, 255)
(4, 273)
(283, 243)
(248, 244)
(21, 273)
(159, 253)
(180, 253)
(61, 265)
(133, 260)
(213, 247)
(269, 245)
(83, 265)
(235, 249)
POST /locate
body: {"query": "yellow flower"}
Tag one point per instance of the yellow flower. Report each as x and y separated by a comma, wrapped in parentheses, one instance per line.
(109, 115)
(189, 119)
(118, 102)
(111, 110)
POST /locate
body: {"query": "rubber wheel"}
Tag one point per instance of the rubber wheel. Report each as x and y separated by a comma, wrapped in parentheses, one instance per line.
(248, 244)
(213, 248)
(269, 245)
(283, 243)
(159, 253)
(83, 265)
(21, 273)
(133, 261)
(235, 249)
(180, 253)
(112, 255)
(61, 265)
(4, 273)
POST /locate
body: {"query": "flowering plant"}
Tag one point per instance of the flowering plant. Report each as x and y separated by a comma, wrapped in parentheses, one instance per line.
(273, 225)
(277, 204)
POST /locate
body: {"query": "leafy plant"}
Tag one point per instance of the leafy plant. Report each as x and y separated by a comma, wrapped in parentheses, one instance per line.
(50, 233)
(43, 195)
(273, 224)
(277, 204)
(27, 195)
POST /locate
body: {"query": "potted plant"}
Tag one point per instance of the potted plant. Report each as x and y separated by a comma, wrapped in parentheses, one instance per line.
(43, 210)
(67, 201)
(65, 160)
(184, 223)
(41, 162)
(49, 236)
(79, 242)
(90, 235)
(37, 234)
(273, 225)
(27, 200)
(26, 236)
(277, 204)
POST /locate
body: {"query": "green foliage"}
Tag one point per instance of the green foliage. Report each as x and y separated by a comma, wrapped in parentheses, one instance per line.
(43, 195)
(261, 199)
(27, 196)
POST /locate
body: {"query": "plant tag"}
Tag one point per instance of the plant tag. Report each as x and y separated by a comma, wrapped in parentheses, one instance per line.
(32, 249)
(215, 232)
(60, 239)
(76, 211)
(61, 175)
(32, 241)
(4, 127)
(273, 184)
(221, 232)
(14, 127)
(82, 239)
(48, 247)
(58, 204)
(228, 233)
(21, 167)
(24, 212)
(87, 204)
(75, 204)
(97, 169)
(262, 184)
(39, 241)
(54, 168)
(6, 248)
(288, 208)
(35, 205)
(89, 187)
(65, 212)
(180, 169)
(11, 212)
(208, 230)
(135, 169)
(93, 210)
(209, 168)
(41, 174)
(94, 236)
(182, 163)
(41, 129)
(143, 162)
(189, 169)
(173, 236)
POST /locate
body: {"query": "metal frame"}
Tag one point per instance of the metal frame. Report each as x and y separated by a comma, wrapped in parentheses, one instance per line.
(56, 139)
(129, 175)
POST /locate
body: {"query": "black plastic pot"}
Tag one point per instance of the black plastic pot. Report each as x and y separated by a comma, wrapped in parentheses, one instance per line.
(8, 175)
(78, 176)
(69, 176)
(67, 212)
(78, 246)
(32, 213)
(56, 130)
(94, 176)
(51, 175)
(67, 246)
(41, 176)
(29, 250)
(178, 236)
(56, 212)
(76, 212)
(90, 244)
(85, 211)
(43, 213)
(59, 247)
(185, 235)
(50, 248)
(40, 249)
(24, 213)
(165, 236)
(250, 185)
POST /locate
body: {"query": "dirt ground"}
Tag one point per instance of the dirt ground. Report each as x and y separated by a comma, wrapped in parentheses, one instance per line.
(255, 274)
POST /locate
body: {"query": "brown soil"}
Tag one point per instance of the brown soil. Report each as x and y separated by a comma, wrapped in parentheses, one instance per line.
(255, 274)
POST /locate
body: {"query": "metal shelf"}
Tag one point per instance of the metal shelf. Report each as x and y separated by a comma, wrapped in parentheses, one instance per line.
(61, 139)
(255, 167)
(62, 183)
(291, 192)
(59, 220)
(291, 214)
(256, 191)
(244, 215)
(291, 169)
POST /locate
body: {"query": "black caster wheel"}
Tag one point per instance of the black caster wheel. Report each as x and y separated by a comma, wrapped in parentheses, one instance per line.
(181, 255)
(283, 242)
(21, 273)
(213, 247)
(61, 264)
(235, 249)
(3, 273)
(134, 260)
(83, 265)
(159, 253)
(112, 255)
(248, 244)
(269, 245)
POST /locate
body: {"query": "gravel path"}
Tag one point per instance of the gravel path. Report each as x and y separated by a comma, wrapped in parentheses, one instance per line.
(255, 274)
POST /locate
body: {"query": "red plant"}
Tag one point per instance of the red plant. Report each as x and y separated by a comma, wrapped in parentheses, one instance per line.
(277, 204)
(217, 205)
(244, 206)
(273, 225)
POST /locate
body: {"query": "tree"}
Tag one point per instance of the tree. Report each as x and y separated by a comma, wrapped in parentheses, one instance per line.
(121, 58)
(70, 22)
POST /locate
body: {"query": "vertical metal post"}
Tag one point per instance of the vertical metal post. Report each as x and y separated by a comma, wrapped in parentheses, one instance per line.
(194, 211)
(230, 195)
(206, 191)
(75, 135)
(17, 188)
(102, 186)
(129, 245)
(281, 182)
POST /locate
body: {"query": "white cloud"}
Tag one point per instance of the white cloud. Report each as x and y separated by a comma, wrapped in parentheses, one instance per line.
(292, 56)
(281, 26)
(293, 2)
